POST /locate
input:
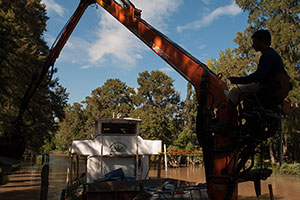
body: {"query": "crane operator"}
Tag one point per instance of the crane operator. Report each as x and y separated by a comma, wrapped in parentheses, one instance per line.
(270, 74)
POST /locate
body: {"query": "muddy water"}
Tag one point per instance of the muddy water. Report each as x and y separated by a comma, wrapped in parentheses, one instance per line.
(284, 187)
(192, 174)
(57, 177)
(25, 184)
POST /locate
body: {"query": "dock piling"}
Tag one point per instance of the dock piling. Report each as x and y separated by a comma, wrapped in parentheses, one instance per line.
(44, 182)
(271, 192)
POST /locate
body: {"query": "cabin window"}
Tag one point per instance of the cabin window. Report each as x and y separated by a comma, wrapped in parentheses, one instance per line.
(118, 128)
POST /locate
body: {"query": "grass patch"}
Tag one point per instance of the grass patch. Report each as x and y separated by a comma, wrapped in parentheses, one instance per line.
(288, 169)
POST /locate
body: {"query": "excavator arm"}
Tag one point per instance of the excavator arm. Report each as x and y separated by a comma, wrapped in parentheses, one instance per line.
(184, 63)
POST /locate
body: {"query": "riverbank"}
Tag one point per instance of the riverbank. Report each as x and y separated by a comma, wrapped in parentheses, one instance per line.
(292, 169)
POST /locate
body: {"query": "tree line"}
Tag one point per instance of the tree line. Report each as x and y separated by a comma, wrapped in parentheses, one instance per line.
(50, 123)
(164, 115)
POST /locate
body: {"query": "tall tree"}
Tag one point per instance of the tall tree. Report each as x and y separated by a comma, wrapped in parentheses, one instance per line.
(22, 55)
(229, 64)
(186, 130)
(113, 98)
(72, 127)
(157, 103)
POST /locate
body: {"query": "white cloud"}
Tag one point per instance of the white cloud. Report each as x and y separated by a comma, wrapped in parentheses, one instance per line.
(116, 44)
(113, 40)
(84, 66)
(156, 11)
(203, 56)
(202, 46)
(206, 1)
(75, 51)
(48, 38)
(138, 56)
(230, 10)
(166, 69)
(52, 6)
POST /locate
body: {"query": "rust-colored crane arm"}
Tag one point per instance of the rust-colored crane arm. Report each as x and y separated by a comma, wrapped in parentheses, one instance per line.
(67, 31)
(184, 63)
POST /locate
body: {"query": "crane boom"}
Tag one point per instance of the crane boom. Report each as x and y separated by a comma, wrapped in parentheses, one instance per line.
(184, 63)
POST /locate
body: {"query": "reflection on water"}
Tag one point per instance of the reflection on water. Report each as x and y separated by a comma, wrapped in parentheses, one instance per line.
(284, 187)
(192, 174)
(58, 174)
(26, 182)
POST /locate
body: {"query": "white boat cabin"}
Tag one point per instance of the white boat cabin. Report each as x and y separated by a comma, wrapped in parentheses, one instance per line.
(116, 147)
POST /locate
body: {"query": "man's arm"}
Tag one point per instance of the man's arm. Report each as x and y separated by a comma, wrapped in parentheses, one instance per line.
(263, 72)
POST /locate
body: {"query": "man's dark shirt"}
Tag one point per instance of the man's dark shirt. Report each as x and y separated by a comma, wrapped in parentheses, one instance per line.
(269, 64)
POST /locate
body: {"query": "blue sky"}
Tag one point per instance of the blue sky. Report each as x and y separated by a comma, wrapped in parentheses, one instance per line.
(101, 48)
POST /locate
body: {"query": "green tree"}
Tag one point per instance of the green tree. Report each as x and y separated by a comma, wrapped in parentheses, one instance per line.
(113, 98)
(185, 124)
(158, 104)
(72, 127)
(22, 55)
(230, 64)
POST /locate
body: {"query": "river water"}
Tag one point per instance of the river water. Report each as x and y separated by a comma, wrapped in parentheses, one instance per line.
(25, 183)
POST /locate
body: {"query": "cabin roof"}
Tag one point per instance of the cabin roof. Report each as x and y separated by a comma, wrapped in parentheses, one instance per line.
(122, 120)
